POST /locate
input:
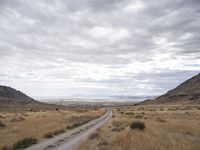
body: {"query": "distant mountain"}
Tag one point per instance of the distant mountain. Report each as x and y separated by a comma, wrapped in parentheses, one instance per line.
(11, 96)
(186, 93)
(132, 97)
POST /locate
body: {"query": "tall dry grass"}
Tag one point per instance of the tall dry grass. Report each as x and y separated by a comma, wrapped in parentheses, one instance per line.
(167, 128)
(38, 124)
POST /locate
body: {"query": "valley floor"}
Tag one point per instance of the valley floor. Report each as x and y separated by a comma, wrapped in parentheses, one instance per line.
(41, 124)
(167, 128)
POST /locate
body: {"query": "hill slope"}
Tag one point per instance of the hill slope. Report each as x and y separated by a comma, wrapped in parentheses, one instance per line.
(11, 96)
(186, 93)
(12, 100)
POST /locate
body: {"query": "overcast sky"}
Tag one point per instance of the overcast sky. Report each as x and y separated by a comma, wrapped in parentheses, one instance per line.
(98, 47)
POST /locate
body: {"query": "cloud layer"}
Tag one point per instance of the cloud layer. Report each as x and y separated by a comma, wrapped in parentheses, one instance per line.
(98, 47)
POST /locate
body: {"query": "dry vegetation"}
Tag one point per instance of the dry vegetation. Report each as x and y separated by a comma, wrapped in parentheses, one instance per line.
(166, 128)
(37, 125)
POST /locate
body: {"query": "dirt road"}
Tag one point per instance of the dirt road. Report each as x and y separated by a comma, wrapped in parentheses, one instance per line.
(70, 140)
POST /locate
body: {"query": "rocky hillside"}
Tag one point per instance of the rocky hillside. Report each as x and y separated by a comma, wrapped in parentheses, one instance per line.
(9, 95)
(186, 93)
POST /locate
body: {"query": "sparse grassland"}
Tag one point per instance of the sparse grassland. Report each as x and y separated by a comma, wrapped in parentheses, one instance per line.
(166, 128)
(16, 127)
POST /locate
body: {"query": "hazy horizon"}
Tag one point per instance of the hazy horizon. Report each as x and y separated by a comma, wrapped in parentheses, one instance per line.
(118, 98)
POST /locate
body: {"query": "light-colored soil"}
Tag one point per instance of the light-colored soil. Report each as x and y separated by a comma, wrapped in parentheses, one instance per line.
(167, 127)
(37, 124)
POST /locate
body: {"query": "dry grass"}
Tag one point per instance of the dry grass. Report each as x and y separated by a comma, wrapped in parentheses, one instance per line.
(37, 124)
(169, 127)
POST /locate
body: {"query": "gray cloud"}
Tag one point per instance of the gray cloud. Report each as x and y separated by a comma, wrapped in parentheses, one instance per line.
(115, 46)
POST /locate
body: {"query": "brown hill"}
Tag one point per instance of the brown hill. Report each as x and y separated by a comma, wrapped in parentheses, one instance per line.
(12, 100)
(186, 93)
(9, 95)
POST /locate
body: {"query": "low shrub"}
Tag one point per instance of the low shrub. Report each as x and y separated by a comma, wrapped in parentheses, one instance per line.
(160, 120)
(152, 109)
(137, 125)
(94, 136)
(6, 148)
(51, 134)
(117, 129)
(59, 131)
(77, 124)
(24, 143)
(129, 113)
(102, 143)
(17, 119)
(139, 116)
(48, 135)
(2, 125)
